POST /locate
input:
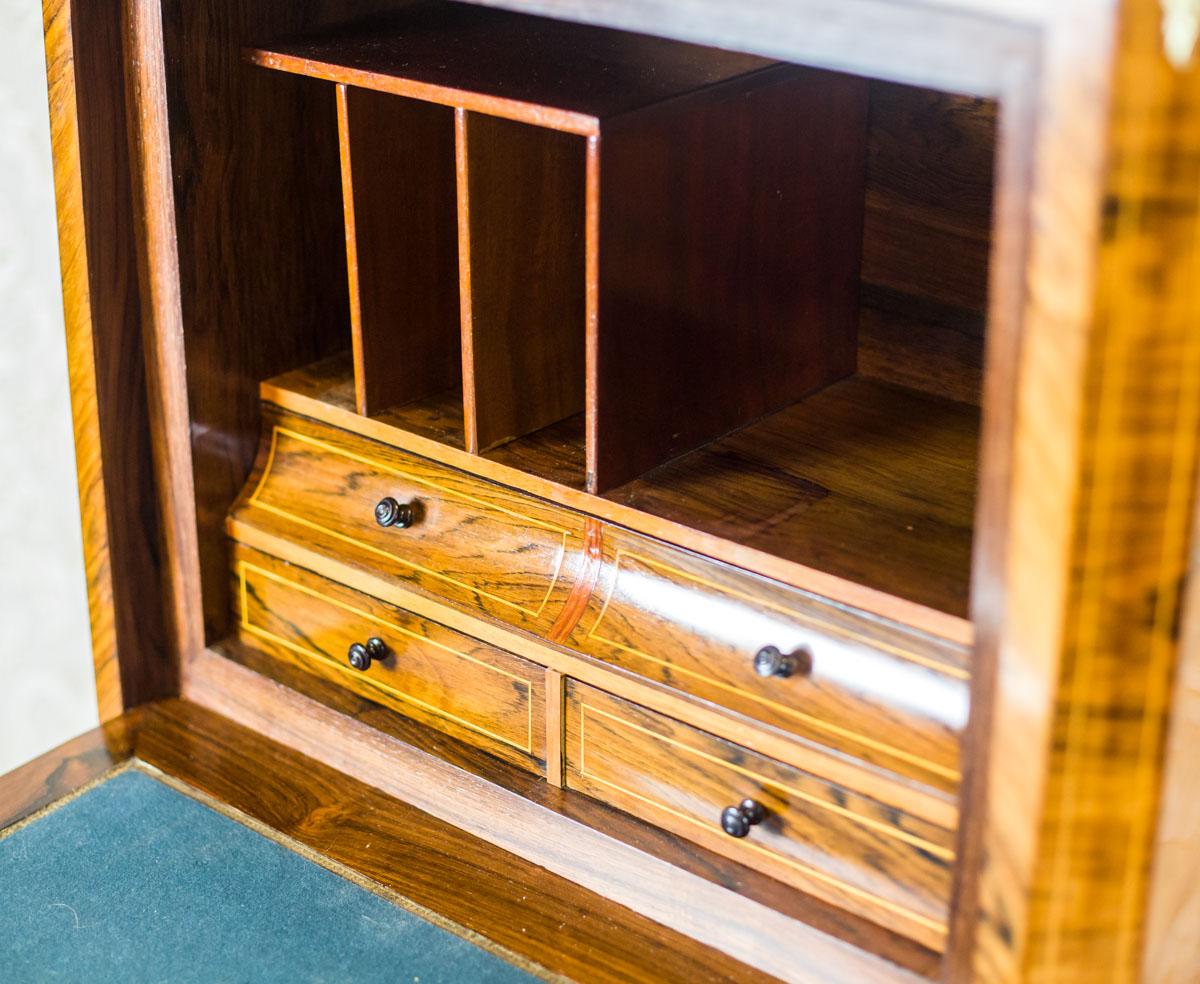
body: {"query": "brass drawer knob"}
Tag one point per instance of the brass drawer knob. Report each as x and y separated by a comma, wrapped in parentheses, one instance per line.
(389, 512)
(736, 821)
(360, 656)
(770, 661)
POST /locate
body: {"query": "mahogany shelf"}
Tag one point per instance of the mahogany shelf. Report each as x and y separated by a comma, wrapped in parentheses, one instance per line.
(864, 491)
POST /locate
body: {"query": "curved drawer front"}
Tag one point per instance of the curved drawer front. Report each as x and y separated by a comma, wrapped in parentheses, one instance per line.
(470, 542)
(845, 848)
(439, 677)
(874, 691)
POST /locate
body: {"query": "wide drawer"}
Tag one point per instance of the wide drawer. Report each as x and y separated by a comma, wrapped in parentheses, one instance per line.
(475, 544)
(444, 679)
(868, 858)
(872, 689)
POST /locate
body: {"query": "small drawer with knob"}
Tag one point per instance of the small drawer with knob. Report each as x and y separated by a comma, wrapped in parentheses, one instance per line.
(873, 689)
(384, 512)
(845, 848)
(408, 664)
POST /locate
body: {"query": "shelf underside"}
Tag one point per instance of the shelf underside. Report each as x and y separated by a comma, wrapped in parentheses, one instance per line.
(865, 480)
(548, 72)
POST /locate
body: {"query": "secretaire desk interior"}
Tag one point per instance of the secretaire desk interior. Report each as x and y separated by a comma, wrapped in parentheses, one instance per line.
(684, 490)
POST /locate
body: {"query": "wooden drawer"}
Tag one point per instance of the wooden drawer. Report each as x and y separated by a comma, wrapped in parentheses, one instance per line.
(444, 679)
(831, 842)
(874, 690)
(473, 543)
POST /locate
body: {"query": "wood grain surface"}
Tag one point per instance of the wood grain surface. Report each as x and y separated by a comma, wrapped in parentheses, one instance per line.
(483, 546)
(551, 73)
(823, 839)
(874, 691)
(549, 465)
(521, 260)
(867, 481)
(711, 909)
(65, 769)
(254, 189)
(927, 239)
(397, 158)
(916, 798)
(729, 235)
(579, 808)
(101, 307)
(1065, 883)
(450, 681)
(518, 905)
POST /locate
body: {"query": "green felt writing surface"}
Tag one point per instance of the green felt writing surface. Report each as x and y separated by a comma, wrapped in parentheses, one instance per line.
(135, 882)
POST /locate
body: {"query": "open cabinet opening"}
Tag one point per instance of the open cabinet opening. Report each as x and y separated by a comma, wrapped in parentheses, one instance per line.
(743, 297)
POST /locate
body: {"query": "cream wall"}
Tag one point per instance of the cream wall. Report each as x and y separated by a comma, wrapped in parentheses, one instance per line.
(46, 693)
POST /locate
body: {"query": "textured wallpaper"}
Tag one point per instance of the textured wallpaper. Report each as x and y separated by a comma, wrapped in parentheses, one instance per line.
(46, 693)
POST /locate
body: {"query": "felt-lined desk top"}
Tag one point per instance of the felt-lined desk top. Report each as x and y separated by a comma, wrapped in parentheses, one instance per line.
(133, 881)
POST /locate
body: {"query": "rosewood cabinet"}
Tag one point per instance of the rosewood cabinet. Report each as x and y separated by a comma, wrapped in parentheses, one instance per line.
(731, 467)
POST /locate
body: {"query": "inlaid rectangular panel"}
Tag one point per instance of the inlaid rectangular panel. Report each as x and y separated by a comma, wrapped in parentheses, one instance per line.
(875, 690)
(849, 850)
(428, 672)
(467, 541)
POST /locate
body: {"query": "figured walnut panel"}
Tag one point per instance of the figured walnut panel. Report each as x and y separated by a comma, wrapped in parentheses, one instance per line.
(887, 695)
(827, 840)
(437, 676)
(478, 545)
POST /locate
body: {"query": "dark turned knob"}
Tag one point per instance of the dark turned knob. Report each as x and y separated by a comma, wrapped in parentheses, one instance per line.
(736, 821)
(389, 512)
(771, 662)
(360, 656)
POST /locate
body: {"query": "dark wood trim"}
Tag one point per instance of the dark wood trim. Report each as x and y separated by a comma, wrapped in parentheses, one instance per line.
(67, 768)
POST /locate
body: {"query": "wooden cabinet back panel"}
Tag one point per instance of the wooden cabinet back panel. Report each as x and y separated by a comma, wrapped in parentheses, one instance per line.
(843, 847)
(476, 544)
(435, 675)
(892, 697)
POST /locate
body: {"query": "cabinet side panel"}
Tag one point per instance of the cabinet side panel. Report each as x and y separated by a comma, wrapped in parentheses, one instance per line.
(108, 396)
(258, 215)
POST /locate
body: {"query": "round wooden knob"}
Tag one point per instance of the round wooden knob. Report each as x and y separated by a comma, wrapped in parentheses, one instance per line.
(360, 656)
(736, 821)
(770, 661)
(389, 512)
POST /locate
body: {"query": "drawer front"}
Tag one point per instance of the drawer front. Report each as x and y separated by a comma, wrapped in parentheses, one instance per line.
(444, 679)
(470, 542)
(848, 850)
(877, 692)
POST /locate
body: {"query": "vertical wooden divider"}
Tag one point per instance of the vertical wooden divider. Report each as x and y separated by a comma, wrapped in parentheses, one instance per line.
(521, 271)
(398, 188)
(554, 727)
(730, 234)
